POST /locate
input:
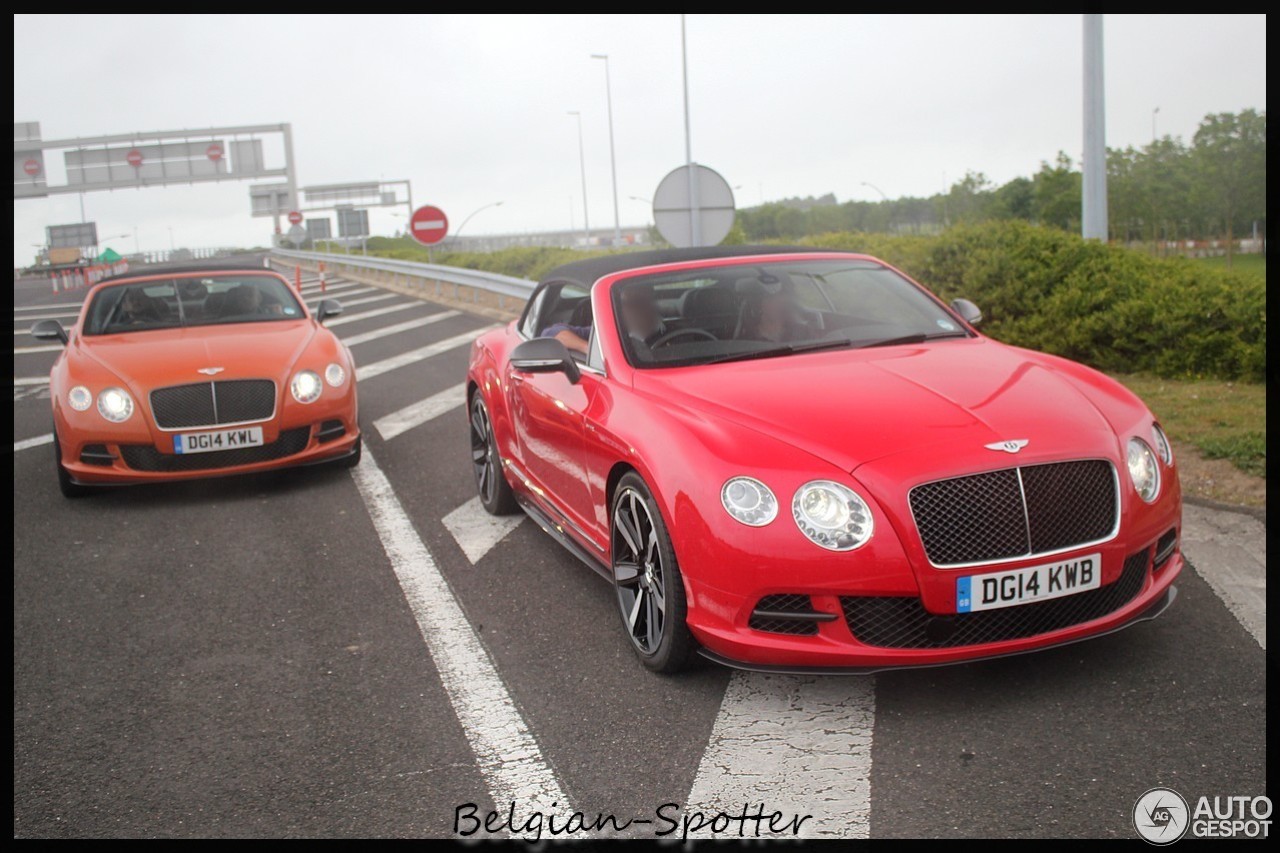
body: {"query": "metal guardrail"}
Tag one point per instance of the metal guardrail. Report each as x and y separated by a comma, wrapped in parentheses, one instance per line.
(478, 280)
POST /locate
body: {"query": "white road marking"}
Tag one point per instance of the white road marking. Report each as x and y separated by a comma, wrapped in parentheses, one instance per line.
(46, 306)
(377, 368)
(38, 441)
(332, 287)
(46, 317)
(1229, 550)
(376, 312)
(312, 303)
(507, 753)
(476, 531)
(31, 380)
(41, 348)
(799, 744)
(312, 298)
(399, 327)
(417, 414)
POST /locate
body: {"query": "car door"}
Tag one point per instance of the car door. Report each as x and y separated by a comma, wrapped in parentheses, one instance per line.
(548, 422)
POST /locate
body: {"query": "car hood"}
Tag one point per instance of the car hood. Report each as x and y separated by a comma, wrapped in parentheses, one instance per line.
(174, 356)
(851, 407)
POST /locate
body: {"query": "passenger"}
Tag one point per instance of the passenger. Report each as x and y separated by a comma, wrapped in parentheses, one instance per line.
(771, 316)
(245, 299)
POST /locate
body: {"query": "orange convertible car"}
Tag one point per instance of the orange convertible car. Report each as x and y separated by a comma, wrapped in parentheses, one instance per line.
(197, 372)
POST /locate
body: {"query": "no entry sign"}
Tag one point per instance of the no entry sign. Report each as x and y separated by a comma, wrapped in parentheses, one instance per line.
(428, 225)
(134, 157)
(295, 217)
(214, 151)
(31, 167)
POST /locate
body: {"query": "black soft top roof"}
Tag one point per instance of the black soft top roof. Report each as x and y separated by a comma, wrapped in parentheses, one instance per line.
(212, 267)
(589, 270)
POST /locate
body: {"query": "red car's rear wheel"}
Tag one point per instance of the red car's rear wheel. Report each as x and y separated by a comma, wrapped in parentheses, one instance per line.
(486, 463)
(647, 580)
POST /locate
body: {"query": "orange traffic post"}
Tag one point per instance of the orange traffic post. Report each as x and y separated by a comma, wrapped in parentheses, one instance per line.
(297, 277)
(322, 284)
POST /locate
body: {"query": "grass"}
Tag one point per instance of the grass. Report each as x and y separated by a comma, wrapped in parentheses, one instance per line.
(1223, 420)
(1255, 265)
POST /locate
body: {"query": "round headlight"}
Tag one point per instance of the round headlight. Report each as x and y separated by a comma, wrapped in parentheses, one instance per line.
(1143, 471)
(335, 375)
(832, 515)
(79, 398)
(115, 405)
(749, 501)
(1161, 443)
(306, 386)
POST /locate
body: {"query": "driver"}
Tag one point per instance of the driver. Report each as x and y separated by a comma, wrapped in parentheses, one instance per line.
(769, 313)
(573, 337)
(137, 307)
(641, 317)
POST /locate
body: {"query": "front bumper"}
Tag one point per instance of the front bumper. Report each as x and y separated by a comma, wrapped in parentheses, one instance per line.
(834, 648)
(129, 463)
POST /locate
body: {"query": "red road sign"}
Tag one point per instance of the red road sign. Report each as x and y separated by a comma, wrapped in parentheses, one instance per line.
(134, 157)
(31, 167)
(214, 152)
(428, 225)
(295, 217)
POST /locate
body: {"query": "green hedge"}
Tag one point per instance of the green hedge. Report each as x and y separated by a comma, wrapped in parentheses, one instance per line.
(1110, 307)
(1118, 310)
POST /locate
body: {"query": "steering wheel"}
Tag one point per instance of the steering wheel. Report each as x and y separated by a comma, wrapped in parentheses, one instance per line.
(679, 333)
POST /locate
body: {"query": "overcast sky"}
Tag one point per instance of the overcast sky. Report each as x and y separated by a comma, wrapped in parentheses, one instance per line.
(472, 109)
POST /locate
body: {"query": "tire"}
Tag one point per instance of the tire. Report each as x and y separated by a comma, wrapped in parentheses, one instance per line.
(352, 460)
(69, 488)
(647, 580)
(486, 464)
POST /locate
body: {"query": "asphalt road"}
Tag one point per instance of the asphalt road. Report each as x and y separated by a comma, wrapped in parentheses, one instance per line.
(239, 657)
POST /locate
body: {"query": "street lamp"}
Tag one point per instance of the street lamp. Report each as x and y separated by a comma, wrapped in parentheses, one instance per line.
(613, 161)
(1154, 113)
(582, 165)
(877, 189)
(458, 233)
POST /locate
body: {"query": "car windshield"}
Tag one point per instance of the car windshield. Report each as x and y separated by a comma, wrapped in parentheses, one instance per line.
(738, 312)
(190, 301)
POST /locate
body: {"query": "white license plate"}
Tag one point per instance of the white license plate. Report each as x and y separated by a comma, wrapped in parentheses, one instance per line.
(1034, 583)
(225, 439)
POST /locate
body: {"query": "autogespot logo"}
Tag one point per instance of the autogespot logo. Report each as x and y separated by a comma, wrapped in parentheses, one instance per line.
(1161, 816)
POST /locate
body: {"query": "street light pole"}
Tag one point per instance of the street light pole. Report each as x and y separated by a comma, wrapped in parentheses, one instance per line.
(695, 220)
(458, 232)
(1154, 113)
(1093, 196)
(613, 160)
(582, 166)
(876, 188)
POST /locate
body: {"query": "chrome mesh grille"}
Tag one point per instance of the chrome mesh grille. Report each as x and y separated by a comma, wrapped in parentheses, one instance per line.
(1015, 512)
(211, 404)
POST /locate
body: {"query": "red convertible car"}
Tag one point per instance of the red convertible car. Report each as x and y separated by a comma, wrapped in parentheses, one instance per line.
(196, 372)
(801, 460)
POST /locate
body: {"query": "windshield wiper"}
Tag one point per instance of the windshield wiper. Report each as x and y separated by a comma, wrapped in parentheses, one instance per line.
(789, 349)
(917, 338)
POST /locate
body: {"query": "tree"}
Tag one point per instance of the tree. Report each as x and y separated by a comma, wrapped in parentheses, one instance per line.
(1056, 194)
(1230, 152)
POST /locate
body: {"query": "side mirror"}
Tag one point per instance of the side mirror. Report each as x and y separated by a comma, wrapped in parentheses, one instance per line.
(545, 355)
(328, 308)
(968, 312)
(49, 330)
